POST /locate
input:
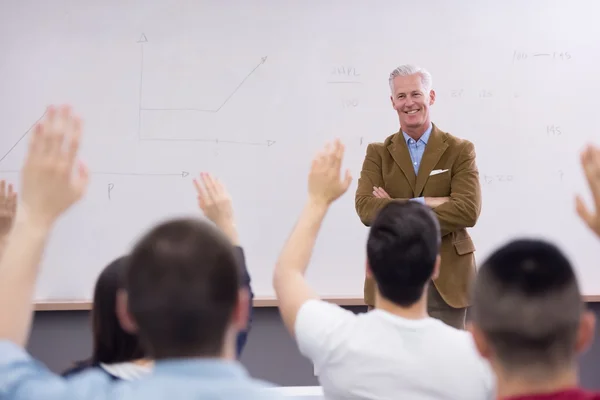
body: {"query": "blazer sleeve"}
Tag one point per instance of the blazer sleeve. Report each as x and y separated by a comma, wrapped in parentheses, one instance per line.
(464, 207)
(367, 206)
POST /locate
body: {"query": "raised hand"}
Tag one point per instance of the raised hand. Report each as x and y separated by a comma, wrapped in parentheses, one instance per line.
(51, 181)
(8, 208)
(590, 161)
(325, 183)
(215, 202)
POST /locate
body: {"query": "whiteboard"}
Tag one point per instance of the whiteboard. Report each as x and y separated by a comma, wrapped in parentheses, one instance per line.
(249, 90)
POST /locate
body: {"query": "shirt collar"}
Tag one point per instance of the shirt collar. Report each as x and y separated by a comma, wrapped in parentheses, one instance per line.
(205, 368)
(424, 138)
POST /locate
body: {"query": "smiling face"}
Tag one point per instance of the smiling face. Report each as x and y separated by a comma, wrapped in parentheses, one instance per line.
(411, 100)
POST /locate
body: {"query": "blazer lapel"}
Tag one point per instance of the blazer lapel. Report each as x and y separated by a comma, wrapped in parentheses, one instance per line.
(401, 156)
(436, 146)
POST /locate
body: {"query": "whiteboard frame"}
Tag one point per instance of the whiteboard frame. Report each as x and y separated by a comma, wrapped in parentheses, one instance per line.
(258, 303)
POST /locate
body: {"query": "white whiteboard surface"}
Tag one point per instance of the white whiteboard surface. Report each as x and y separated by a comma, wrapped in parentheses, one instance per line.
(249, 90)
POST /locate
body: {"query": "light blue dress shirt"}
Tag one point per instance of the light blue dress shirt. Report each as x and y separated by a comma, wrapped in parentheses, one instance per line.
(416, 148)
(23, 378)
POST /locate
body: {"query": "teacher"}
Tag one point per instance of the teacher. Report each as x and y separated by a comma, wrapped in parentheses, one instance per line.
(422, 163)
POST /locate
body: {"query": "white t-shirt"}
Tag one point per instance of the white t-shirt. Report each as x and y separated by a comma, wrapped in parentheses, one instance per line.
(378, 355)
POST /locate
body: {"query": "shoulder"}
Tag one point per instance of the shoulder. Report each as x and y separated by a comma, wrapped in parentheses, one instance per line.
(314, 310)
(79, 367)
(456, 143)
(463, 345)
(380, 148)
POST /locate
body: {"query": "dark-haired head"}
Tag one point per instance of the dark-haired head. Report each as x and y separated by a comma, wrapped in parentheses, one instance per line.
(528, 315)
(403, 251)
(182, 292)
(112, 344)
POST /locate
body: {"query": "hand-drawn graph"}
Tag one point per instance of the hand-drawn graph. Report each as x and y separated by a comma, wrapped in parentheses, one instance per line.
(142, 41)
(162, 114)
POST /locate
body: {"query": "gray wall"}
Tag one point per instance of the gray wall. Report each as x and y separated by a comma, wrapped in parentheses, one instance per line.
(59, 338)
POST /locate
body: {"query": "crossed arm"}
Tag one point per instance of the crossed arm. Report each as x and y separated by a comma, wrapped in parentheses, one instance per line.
(460, 210)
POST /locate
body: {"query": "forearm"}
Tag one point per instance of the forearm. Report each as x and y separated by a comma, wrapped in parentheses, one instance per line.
(457, 214)
(289, 282)
(18, 274)
(368, 206)
(298, 249)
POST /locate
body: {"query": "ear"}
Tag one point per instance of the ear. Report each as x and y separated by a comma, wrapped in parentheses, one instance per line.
(392, 101)
(431, 97)
(368, 272)
(125, 319)
(483, 348)
(436, 268)
(585, 333)
(242, 310)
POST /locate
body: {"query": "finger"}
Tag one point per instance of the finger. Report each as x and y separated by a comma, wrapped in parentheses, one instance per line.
(12, 199)
(202, 203)
(337, 156)
(329, 154)
(339, 152)
(319, 159)
(583, 211)
(36, 143)
(210, 185)
(51, 138)
(591, 168)
(220, 188)
(200, 190)
(74, 141)
(2, 189)
(62, 132)
(347, 179)
(82, 180)
(594, 171)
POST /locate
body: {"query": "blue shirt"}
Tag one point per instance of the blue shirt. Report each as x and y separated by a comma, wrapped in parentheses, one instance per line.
(21, 377)
(416, 148)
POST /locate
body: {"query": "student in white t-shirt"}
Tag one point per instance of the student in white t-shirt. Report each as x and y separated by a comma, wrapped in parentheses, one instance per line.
(395, 351)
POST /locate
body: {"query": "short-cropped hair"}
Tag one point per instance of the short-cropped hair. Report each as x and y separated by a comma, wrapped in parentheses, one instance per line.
(183, 287)
(402, 248)
(527, 303)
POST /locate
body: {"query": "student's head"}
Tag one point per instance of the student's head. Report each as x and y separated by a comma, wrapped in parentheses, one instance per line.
(182, 292)
(528, 315)
(403, 251)
(111, 344)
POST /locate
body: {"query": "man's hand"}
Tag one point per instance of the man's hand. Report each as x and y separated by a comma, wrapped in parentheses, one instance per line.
(8, 208)
(215, 202)
(324, 181)
(49, 186)
(590, 160)
(380, 193)
(325, 185)
(434, 202)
